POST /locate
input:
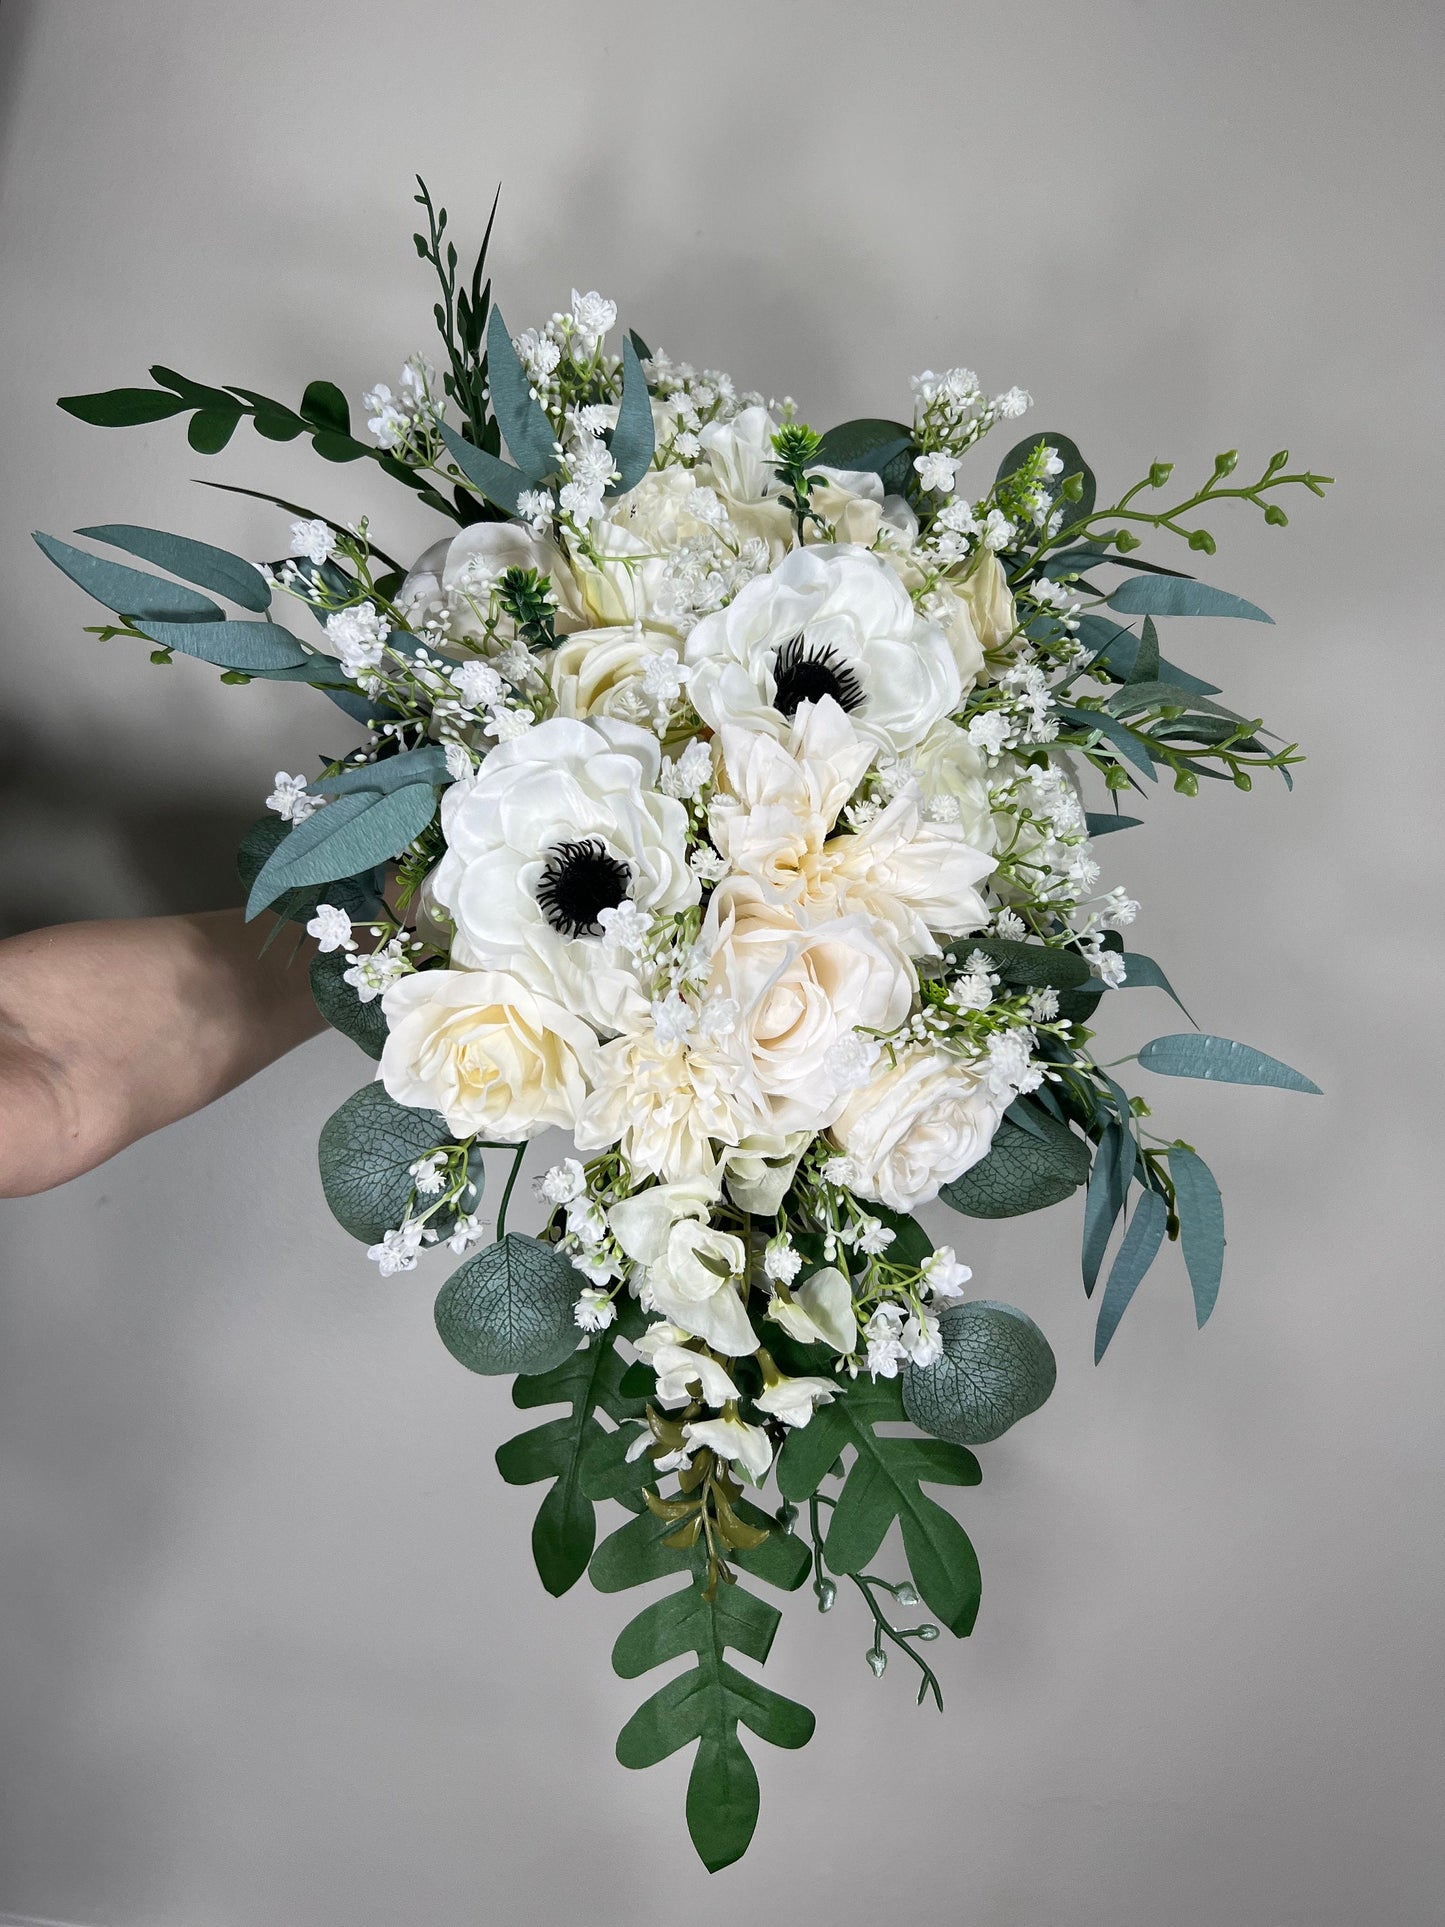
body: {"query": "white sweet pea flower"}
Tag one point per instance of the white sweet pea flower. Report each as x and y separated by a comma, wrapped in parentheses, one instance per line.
(642, 1224)
(731, 1438)
(683, 1373)
(793, 1400)
(828, 621)
(819, 1311)
(695, 1285)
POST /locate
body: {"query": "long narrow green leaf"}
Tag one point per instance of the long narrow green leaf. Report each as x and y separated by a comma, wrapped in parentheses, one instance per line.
(1136, 1254)
(231, 645)
(352, 834)
(1201, 1226)
(525, 428)
(1154, 595)
(498, 481)
(122, 407)
(1142, 972)
(1221, 1060)
(210, 568)
(129, 592)
(633, 441)
(1103, 1202)
(1113, 731)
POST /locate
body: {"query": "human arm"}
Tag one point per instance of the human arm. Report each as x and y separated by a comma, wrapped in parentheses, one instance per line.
(110, 1030)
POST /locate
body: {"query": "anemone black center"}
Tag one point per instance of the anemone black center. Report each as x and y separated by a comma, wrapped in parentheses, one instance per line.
(806, 672)
(579, 882)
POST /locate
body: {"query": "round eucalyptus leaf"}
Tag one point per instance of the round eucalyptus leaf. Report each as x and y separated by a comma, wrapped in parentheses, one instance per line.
(996, 1368)
(364, 1024)
(509, 1309)
(1023, 1171)
(366, 1153)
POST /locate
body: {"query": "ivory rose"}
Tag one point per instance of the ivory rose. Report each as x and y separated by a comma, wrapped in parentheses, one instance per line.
(916, 1126)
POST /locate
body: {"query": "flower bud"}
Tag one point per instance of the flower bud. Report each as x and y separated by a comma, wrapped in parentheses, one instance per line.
(877, 1661)
(827, 1595)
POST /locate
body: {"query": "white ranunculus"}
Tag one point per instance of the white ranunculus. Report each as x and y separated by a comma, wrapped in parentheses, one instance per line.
(916, 1126)
(819, 1311)
(800, 989)
(669, 1350)
(486, 1051)
(643, 1222)
(732, 1438)
(446, 581)
(562, 821)
(694, 1284)
(737, 462)
(675, 1109)
(831, 620)
(946, 763)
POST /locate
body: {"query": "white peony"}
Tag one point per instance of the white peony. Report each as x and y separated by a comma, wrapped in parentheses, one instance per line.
(831, 620)
(800, 989)
(556, 826)
(487, 1052)
(916, 1126)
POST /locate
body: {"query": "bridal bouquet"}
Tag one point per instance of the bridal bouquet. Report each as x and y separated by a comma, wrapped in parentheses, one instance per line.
(727, 796)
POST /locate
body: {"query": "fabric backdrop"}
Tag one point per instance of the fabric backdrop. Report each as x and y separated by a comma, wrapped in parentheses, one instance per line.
(271, 1646)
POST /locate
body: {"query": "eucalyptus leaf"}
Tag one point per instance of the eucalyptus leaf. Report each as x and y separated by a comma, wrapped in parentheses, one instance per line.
(366, 1152)
(864, 444)
(1090, 555)
(1156, 694)
(1141, 972)
(1026, 1169)
(210, 568)
(996, 1368)
(359, 896)
(428, 764)
(354, 833)
(1099, 722)
(1153, 595)
(1103, 1202)
(1136, 1254)
(231, 645)
(1200, 1211)
(129, 592)
(525, 428)
(633, 442)
(1221, 1060)
(364, 1024)
(509, 1308)
(501, 484)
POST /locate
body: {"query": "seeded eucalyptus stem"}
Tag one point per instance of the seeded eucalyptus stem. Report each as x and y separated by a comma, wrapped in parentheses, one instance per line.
(507, 1193)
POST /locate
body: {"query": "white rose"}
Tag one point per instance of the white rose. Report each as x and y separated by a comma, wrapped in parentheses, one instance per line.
(599, 672)
(954, 615)
(919, 1124)
(946, 763)
(443, 583)
(828, 621)
(557, 825)
(800, 989)
(484, 1050)
(852, 503)
(695, 1286)
(624, 580)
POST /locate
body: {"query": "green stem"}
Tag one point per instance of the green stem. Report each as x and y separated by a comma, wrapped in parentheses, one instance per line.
(507, 1193)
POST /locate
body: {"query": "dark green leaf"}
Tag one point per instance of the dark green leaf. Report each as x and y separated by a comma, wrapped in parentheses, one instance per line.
(1155, 595)
(122, 407)
(588, 1382)
(1113, 731)
(632, 440)
(996, 1368)
(1201, 1226)
(1136, 1254)
(1146, 656)
(1102, 822)
(1025, 1170)
(352, 834)
(1090, 555)
(129, 592)
(324, 406)
(1222, 1061)
(1142, 972)
(1102, 1204)
(1074, 464)
(333, 447)
(1027, 966)
(364, 1024)
(863, 444)
(509, 1308)
(525, 428)
(366, 1152)
(229, 575)
(211, 429)
(358, 896)
(232, 645)
(885, 1483)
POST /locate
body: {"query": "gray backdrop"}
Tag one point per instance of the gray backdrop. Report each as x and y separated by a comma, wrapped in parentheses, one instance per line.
(273, 1650)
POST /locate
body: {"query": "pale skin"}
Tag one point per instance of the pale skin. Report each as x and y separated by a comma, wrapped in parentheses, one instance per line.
(109, 1031)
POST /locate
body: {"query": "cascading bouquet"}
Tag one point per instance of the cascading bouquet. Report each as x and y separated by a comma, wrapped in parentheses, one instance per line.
(720, 804)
